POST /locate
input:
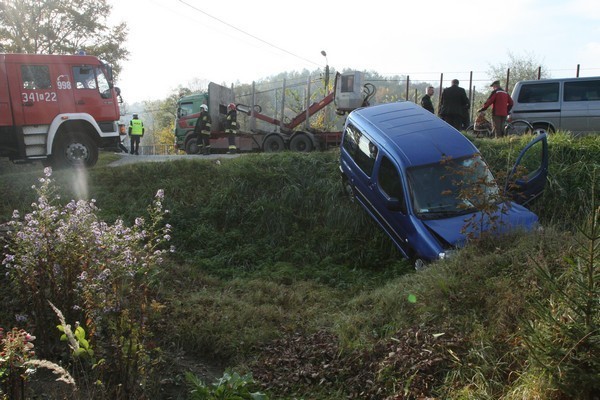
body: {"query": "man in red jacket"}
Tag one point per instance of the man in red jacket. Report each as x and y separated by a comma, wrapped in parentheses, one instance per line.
(501, 103)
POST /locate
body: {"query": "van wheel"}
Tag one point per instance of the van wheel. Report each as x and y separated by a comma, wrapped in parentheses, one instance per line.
(191, 146)
(74, 149)
(301, 142)
(542, 128)
(419, 264)
(348, 189)
(273, 144)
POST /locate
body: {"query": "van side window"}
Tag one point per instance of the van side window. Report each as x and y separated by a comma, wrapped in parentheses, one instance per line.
(361, 149)
(582, 91)
(539, 93)
(36, 77)
(84, 77)
(390, 181)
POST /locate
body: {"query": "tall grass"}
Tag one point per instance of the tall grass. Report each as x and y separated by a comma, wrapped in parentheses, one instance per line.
(267, 245)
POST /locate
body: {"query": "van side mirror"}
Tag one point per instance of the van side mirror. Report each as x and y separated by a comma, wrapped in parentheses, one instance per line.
(395, 204)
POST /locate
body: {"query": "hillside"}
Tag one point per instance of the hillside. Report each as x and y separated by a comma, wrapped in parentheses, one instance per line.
(276, 273)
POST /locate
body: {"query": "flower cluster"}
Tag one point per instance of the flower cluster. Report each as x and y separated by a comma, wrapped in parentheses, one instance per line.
(93, 271)
(16, 348)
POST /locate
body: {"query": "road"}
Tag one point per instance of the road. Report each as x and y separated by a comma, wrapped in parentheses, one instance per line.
(131, 159)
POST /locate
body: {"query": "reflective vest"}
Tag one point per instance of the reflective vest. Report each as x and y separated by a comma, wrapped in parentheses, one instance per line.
(231, 122)
(137, 127)
(203, 124)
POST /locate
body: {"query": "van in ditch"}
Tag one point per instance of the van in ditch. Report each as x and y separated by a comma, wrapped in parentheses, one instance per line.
(566, 104)
(427, 185)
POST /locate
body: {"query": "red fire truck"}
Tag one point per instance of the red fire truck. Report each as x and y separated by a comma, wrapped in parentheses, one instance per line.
(60, 109)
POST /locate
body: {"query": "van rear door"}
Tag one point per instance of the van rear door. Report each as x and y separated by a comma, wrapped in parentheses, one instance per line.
(527, 179)
(581, 106)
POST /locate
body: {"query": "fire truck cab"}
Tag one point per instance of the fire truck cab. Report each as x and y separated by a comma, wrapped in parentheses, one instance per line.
(60, 109)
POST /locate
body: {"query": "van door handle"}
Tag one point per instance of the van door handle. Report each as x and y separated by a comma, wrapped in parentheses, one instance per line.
(80, 102)
(28, 103)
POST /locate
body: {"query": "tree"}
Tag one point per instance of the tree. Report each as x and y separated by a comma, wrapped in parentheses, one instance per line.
(521, 68)
(62, 27)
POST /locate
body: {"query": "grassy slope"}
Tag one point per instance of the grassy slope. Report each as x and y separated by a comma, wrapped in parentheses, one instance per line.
(267, 246)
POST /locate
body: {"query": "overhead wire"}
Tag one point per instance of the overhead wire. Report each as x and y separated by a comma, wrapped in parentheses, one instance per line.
(247, 33)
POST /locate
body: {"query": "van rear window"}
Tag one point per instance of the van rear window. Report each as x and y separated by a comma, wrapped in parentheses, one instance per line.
(539, 93)
(582, 91)
(360, 148)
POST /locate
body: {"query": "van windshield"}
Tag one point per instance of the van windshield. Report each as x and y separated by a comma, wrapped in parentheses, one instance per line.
(452, 187)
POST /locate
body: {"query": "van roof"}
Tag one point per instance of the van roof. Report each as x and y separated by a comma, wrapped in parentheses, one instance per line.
(552, 80)
(417, 136)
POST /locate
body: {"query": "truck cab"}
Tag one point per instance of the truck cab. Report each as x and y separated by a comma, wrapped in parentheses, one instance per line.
(60, 109)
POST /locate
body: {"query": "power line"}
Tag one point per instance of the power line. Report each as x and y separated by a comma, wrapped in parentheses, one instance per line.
(248, 34)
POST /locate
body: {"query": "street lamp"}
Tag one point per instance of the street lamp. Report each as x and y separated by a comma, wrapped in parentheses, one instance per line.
(324, 54)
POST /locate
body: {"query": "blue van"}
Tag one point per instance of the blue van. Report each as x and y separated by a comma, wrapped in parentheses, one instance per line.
(427, 185)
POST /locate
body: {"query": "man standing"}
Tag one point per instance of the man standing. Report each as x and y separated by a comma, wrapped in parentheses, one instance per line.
(501, 103)
(202, 129)
(453, 105)
(231, 127)
(426, 102)
(136, 132)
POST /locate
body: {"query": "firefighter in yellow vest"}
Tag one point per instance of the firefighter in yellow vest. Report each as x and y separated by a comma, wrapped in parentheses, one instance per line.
(231, 127)
(202, 129)
(136, 132)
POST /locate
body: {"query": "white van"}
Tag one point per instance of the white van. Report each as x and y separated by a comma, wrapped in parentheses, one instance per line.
(567, 104)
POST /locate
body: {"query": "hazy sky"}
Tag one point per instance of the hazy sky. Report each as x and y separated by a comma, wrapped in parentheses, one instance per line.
(177, 42)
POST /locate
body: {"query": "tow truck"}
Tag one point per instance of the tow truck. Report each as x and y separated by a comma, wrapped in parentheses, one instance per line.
(348, 93)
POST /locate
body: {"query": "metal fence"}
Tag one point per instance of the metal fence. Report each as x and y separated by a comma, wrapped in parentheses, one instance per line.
(156, 150)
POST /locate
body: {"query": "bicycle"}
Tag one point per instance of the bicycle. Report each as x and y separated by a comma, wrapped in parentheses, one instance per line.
(517, 127)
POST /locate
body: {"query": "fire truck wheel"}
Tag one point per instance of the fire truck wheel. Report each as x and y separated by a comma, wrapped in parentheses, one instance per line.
(191, 146)
(75, 149)
(301, 142)
(273, 143)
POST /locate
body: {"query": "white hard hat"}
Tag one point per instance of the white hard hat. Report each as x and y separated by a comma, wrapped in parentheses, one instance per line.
(204, 107)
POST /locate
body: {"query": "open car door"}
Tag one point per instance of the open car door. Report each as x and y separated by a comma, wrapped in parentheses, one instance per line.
(527, 179)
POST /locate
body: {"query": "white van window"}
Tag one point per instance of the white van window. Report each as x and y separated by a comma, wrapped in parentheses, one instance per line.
(360, 148)
(539, 93)
(582, 91)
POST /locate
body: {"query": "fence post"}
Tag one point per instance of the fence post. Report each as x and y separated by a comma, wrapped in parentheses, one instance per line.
(577, 76)
(440, 98)
(471, 96)
(407, 85)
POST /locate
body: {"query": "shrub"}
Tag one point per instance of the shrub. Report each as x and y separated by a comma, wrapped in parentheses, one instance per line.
(99, 274)
(563, 330)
